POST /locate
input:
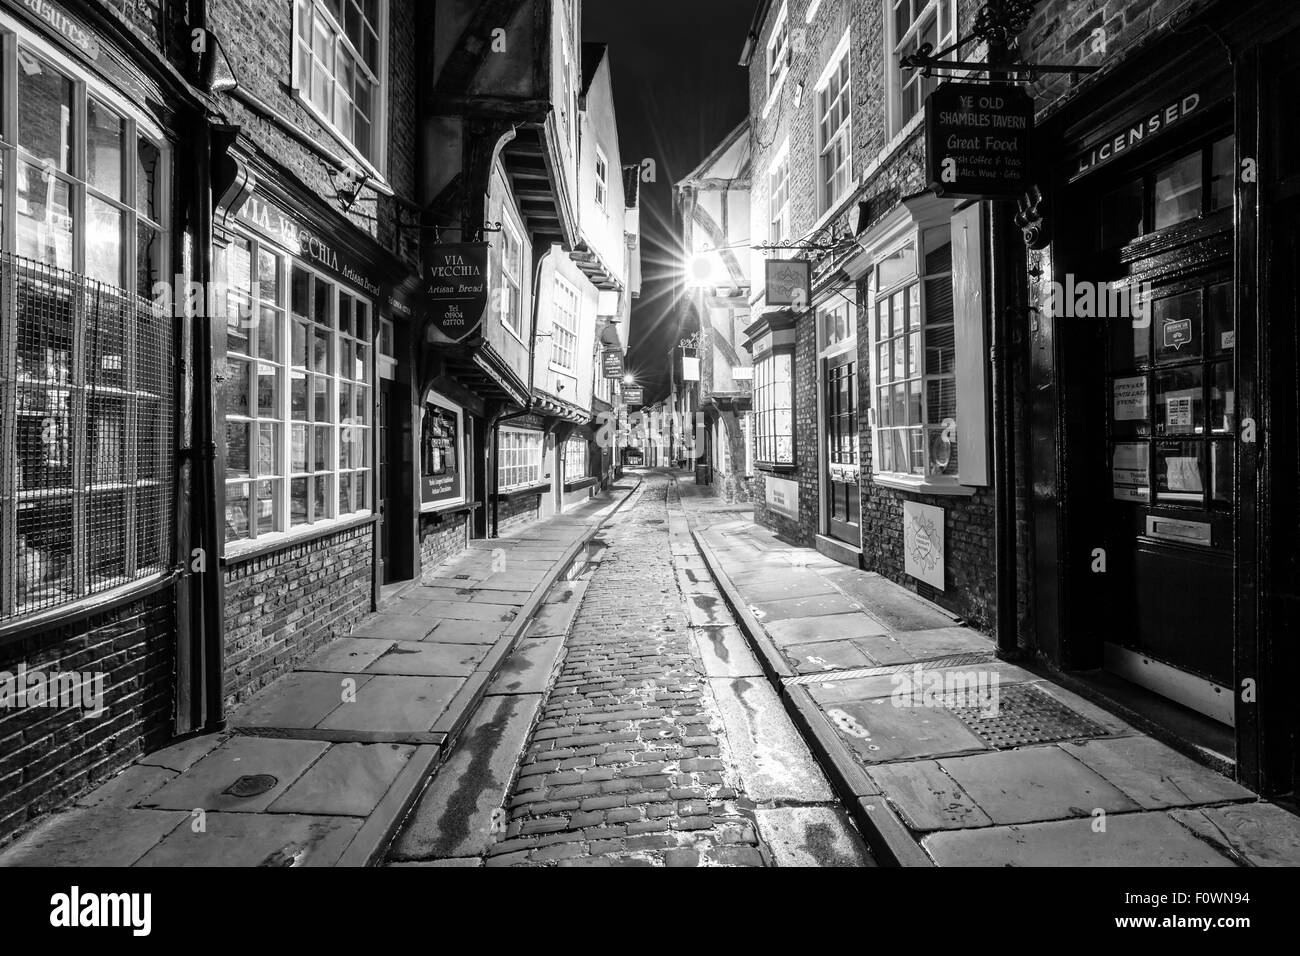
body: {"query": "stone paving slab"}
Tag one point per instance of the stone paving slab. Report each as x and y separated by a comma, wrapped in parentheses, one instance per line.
(927, 797)
(828, 656)
(256, 839)
(129, 787)
(811, 836)
(94, 836)
(1260, 834)
(298, 699)
(207, 783)
(817, 628)
(1152, 774)
(1034, 784)
(725, 653)
(394, 624)
(349, 780)
(455, 816)
(803, 607)
(1130, 839)
(467, 632)
(349, 654)
(878, 731)
(529, 667)
(395, 704)
(428, 659)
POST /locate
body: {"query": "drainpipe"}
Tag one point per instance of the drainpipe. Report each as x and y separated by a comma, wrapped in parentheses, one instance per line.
(1001, 309)
(206, 484)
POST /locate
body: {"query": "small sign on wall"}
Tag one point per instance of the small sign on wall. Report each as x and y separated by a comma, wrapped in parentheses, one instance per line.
(782, 496)
(923, 543)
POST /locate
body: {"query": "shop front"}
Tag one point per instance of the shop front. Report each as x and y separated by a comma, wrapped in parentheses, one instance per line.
(1154, 462)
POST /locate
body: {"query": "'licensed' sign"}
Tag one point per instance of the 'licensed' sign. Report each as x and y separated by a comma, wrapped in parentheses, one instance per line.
(977, 140)
(456, 289)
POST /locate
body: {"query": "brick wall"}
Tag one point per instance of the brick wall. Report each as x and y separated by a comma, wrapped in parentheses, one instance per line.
(517, 511)
(257, 37)
(283, 606)
(49, 755)
(441, 539)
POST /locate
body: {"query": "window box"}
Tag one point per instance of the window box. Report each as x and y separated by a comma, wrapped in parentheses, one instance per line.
(505, 494)
(580, 483)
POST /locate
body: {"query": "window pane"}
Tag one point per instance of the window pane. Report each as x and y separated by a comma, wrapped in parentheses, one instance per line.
(940, 350)
(1178, 191)
(268, 448)
(298, 501)
(1221, 326)
(148, 172)
(268, 334)
(237, 388)
(148, 258)
(237, 512)
(298, 403)
(1179, 410)
(1180, 470)
(103, 242)
(44, 111)
(103, 149)
(268, 390)
(266, 505)
(44, 217)
(1176, 320)
(322, 448)
(1121, 215)
(1223, 398)
(1222, 172)
(237, 452)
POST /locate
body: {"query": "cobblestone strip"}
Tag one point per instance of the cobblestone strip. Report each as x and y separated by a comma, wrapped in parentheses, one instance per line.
(628, 764)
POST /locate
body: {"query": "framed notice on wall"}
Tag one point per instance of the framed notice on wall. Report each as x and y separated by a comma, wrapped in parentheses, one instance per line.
(442, 473)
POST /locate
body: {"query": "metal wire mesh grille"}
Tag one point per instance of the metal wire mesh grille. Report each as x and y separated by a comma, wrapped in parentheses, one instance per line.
(86, 394)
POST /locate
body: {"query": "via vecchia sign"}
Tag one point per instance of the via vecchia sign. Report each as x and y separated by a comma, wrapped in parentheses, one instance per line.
(977, 140)
(456, 288)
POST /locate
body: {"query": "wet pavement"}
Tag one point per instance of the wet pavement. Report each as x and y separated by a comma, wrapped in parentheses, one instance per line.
(657, 742)
(955, 757)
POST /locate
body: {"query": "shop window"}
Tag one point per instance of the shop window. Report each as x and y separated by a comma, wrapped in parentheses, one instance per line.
(1181, 190)
(834, 138)
(911, 24)
(519, 458)
(576, 459)
(564, 327)
(87, 382)
(298, 395)
(339, 50)
(1173, 400)
(774, 409)
(914, 381)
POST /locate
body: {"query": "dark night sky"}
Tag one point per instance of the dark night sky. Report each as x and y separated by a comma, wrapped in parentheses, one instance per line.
(678, 90)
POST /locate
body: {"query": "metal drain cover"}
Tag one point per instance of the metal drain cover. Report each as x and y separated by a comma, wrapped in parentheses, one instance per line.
(251, 785)
(1026, 715)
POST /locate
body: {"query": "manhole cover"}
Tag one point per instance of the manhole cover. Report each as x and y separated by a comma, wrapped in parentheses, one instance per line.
(1025, 715)
(653, 521)
(251, 785)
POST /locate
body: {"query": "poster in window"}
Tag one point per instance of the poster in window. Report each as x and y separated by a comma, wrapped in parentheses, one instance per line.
(1130, 472)
(440, 467)
(1130, 401)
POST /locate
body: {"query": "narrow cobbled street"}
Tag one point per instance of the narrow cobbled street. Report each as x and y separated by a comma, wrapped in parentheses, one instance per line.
(657, 743)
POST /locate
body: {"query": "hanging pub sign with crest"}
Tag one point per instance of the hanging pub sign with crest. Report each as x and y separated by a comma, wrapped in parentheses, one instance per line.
(456, 289)
(977, 140)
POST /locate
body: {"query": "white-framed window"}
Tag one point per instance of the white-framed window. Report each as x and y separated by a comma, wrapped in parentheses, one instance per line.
(519, 458)
(511, 280)
(911, 23)
(299, 395)
(914, 383)
(778, 196)
(834, 130)
(564, 326)
(87, 404)
(774, 408)
(339, 65)
(778, 49)
(602, 179)
(576, 459)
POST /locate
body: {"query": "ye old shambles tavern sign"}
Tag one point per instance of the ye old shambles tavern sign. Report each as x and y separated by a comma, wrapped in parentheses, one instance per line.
(456, 288)
(977, 140)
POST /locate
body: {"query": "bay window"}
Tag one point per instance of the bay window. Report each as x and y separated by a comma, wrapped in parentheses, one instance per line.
(339, 48)
(519, 458)
(774, 408)
(86, 359)
(298, 398)
(914, 380)
(576, 459)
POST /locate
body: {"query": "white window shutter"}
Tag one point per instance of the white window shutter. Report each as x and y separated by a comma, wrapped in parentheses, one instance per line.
(969, 306)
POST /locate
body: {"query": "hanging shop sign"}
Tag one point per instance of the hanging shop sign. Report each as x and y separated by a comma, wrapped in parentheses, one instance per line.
(611, 363)
(923, 543)
(440, 464)
(690, 369)
(788, 282)
(633, 395)
(274, 223)
(977, 140)
(65, 26)
(456, 290)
